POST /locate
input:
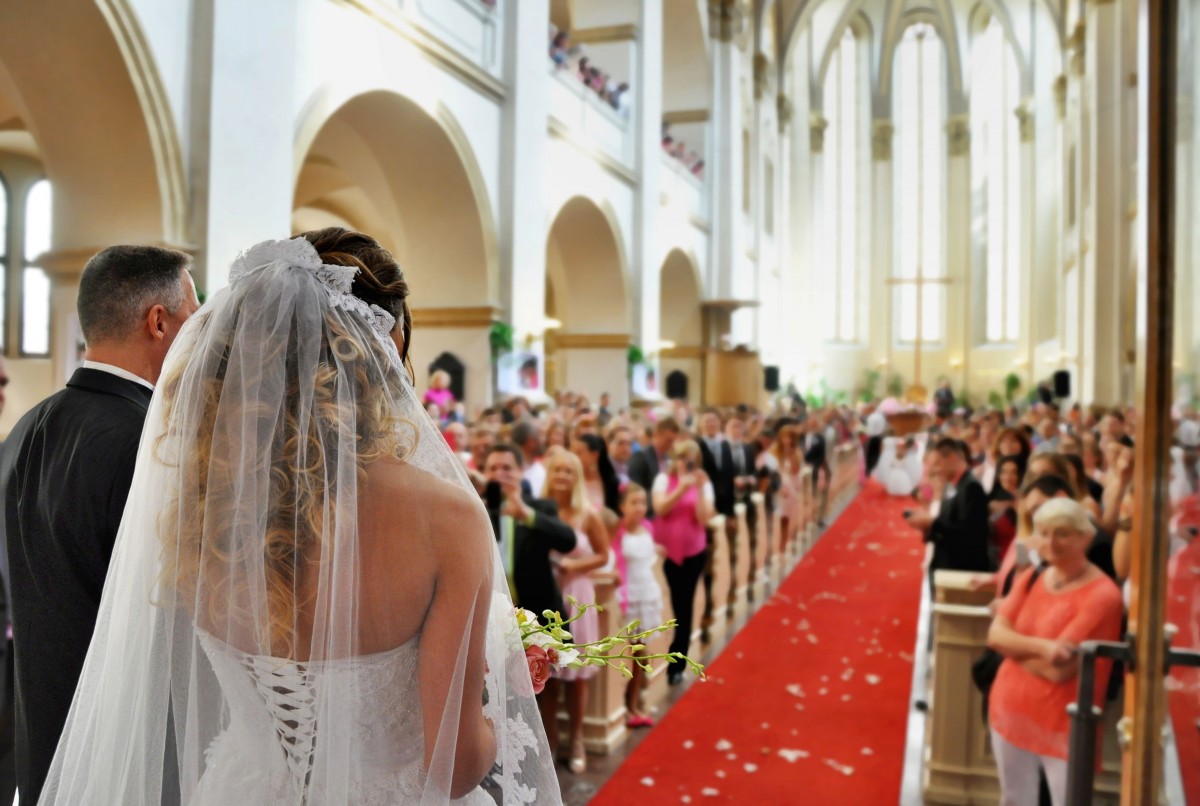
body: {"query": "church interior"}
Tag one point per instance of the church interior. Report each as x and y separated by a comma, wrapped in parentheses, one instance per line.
(851, 231)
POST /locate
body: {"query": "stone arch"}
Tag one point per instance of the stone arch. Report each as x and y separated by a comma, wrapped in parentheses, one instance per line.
(981, 15)
(384, 163)
(897, 24)
(85, 89)
(859, 24)
(587, 291)
(681, 319)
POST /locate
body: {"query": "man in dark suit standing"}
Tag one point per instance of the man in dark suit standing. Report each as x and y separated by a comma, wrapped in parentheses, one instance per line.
(66, 471)
(816, 456)
(717, 458)
(8, 762)
(644, 466)
(528, 530)
(959, 533)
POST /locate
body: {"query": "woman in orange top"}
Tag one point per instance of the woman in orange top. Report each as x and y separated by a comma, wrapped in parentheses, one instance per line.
(1038, 628)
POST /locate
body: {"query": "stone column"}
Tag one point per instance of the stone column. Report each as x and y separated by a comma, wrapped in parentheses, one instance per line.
(64, 266)
(523, 224)
(958, 253)
(648, 132)
(1027, 234)
(879, 323)
(796, 266)
(726, 20)
(241, 158)
(1105, 236)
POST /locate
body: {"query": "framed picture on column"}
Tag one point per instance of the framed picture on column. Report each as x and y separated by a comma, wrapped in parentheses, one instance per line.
(520, 373)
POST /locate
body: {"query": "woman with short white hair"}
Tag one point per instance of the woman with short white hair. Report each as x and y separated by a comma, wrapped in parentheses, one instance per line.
(1038, 628)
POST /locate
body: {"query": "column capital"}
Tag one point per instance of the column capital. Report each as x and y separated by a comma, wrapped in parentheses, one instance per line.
(784, 110)
(726, 19)
(1060, 95)
(958, 136)
(762, 75)
(882, 132)
(1077, 47)
(817, 124)
(1025, 120)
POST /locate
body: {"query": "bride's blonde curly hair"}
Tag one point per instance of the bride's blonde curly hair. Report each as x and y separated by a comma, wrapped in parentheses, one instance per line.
(208, 540)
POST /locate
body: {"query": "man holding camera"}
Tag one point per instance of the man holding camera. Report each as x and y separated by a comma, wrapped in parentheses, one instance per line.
(527, 529)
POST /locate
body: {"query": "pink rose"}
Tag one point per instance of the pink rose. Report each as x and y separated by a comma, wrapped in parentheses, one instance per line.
(539, 667)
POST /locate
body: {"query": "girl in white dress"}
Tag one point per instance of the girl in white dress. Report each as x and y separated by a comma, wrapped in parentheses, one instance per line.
(641, 595)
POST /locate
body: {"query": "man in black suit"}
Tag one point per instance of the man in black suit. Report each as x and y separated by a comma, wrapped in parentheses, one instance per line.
(528, 530)
(8, 768)
(717, 458)
(66, 471)
(644, 466)
(816, 456)
(745, 483)
(960, 532)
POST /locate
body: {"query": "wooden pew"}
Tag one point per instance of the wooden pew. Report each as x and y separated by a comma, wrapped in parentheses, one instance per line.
(959, 766)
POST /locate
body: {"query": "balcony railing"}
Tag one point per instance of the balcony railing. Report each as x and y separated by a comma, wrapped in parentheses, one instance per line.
(588, 119)
(684, 188)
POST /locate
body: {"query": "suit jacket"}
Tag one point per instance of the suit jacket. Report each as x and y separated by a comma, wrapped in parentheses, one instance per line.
(533, 578)
(65, 471)
(721, 477)
(643, 469)
(816, 454)
(748, 463)
(960, 533)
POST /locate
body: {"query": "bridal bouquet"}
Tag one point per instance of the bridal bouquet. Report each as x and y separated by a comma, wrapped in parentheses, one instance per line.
(549, 647)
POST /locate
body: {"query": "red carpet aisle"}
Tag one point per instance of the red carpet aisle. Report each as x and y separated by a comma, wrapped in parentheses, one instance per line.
(1183, 686)
(809, 702)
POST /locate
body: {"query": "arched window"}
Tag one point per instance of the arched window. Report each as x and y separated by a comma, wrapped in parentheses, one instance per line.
(920, 112)
(997, 171)
(840, 268)
(35, 282)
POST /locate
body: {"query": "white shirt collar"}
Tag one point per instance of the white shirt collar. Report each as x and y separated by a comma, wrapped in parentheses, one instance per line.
(120, 373)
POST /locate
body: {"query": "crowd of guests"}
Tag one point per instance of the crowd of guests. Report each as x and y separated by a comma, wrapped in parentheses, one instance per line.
(679, 150)
(575, 487)
(1039, 504)
(571, 58)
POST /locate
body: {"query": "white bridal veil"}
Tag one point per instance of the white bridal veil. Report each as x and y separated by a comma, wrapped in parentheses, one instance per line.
(305, 604)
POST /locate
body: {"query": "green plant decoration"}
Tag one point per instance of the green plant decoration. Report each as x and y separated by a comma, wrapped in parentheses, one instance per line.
(501, 338)
(1012, 383)
(869, 395)
(635, 356)
(995, 400)
(896, 386)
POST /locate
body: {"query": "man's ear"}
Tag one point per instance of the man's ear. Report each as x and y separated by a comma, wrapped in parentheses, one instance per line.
(156, 322)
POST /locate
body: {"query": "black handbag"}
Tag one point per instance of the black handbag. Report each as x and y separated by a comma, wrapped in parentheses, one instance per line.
(987, 666)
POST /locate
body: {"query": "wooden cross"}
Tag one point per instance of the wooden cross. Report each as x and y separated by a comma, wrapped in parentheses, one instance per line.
(920, 281)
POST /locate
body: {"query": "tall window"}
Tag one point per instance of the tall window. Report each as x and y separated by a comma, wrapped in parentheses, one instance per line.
(920, 111)
(35, 283)
(997, 166)
(839, 238)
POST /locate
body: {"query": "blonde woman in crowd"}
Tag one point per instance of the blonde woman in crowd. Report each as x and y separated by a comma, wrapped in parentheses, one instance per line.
(565, 486)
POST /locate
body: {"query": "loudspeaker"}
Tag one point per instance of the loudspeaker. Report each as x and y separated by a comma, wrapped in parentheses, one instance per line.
(771, 378)
(1062, 383)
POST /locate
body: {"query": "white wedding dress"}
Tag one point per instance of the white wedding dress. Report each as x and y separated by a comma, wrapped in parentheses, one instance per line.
(232, 660)
(265, 754)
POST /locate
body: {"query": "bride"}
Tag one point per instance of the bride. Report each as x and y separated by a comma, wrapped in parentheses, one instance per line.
(305, 604)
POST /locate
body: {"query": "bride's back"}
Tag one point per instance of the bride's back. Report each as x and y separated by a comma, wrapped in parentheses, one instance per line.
(413, 528)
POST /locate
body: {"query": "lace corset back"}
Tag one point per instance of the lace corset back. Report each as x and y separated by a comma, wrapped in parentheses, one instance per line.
(276, 706)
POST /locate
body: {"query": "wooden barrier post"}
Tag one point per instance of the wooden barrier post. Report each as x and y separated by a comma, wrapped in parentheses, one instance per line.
(604, 721)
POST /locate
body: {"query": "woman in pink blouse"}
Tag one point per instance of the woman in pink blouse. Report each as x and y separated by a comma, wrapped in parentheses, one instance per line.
(683, 505)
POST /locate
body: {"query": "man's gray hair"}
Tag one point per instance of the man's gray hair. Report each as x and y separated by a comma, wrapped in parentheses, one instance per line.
(122, 283)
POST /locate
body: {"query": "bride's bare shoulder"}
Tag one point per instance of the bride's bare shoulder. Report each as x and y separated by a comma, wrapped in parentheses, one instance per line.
(403, 491)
